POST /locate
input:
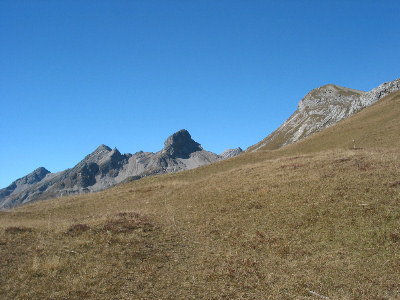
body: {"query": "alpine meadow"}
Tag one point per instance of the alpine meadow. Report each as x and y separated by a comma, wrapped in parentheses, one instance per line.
(318, 217)
(199, 150)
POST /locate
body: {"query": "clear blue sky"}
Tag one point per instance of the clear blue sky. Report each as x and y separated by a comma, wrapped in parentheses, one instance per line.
(76, 74)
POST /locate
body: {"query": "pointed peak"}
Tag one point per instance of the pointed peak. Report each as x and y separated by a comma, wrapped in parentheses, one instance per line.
(115, 153)
(181, 144)
(35, 176)
(41, 170)
(103, 147)
(181, 135)
(98, 154)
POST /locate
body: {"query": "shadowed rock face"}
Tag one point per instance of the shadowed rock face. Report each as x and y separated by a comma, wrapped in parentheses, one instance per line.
(104, 168)
(322, 108)
(180, 144)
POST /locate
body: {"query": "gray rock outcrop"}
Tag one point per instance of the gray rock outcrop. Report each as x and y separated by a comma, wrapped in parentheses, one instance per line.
(322, 108)
(228, 153)
(104, 168)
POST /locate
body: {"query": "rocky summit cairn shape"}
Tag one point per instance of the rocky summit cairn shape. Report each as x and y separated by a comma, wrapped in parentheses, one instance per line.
(322, 108)
(104, 168)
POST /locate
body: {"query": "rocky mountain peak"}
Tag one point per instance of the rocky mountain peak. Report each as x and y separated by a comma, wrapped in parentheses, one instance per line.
(100, 152)
(35, 176)
(180, 144)
(115, 153)
(102, 148)
(113, 156)
(323, 107)
(329, 94)
(41, 171)
(21, 184)
(228, 153)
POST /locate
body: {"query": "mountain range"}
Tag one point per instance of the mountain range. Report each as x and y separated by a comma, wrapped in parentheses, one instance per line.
(106, 167)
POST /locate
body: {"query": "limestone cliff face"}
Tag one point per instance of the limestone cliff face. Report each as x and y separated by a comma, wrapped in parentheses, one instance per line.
(321, 108)
(378, 93)
(104, 168)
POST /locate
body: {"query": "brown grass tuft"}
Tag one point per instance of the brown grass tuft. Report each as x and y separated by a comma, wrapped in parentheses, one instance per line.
(127, 221)
(17, 229)
(77, 229)
(395, 184)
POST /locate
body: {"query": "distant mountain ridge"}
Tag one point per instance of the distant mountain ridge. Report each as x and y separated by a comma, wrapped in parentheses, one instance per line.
(105, 167)
(24, 182)
(322, 108)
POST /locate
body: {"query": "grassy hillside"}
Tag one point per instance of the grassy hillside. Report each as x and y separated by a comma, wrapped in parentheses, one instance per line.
(316, 217)
(293, 129)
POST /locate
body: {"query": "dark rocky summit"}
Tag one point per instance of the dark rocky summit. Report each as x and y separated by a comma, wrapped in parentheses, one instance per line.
(105, 167)
(180, 144)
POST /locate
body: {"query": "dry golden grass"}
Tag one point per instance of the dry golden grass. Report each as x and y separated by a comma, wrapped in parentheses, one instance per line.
(268, 225)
